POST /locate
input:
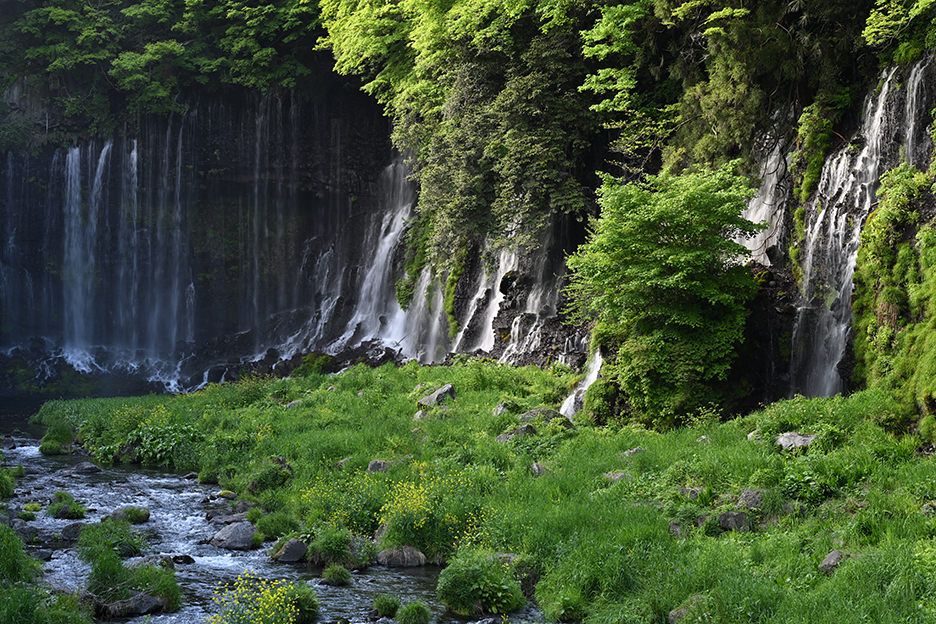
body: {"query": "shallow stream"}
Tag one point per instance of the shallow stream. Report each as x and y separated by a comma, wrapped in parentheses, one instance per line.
(178, 526)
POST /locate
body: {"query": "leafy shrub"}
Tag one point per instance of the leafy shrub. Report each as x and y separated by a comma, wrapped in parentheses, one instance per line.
(7, 484)
(276, 524)
(15, 565)
(65, 507)
(386, 605)
(59, 435)
(256, 600)
(26, 515)
(157, 581)
(330, 545)
(336, 574)
(414, 613)
(110, 535)
(30, 605)
(478, 581)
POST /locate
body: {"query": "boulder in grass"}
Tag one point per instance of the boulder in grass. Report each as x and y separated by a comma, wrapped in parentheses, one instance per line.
(436, 398)
(831, 561)
(793, 440)
(236, 536)
(679, 614)
(751, 499)
(733, 521)
(402, 557)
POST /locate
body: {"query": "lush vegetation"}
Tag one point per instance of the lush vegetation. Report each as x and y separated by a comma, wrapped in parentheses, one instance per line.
(626, 524)
(256, 600)
(661, 278)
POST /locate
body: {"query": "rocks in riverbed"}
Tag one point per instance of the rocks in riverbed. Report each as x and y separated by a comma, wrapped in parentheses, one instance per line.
(402, 557)
(292, 551)
(224, 516)
(182, 559)
(7, 443)
(156, 561)
(132, 514)
(81, 468)
(138, 604)
(236, 536)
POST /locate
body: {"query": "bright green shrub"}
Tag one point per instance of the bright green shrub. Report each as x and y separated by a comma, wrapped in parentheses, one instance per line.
(15, 565)
(479, 580)
(414, 613)
(386, 605)
(336, 574)
(277, 524)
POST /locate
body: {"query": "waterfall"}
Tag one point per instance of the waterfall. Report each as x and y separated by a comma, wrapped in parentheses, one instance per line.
(835, 216)
(487, 301)
(768, 205)
(573, 403)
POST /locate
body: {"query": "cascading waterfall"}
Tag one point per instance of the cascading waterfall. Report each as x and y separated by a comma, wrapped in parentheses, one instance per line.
(836, 214)
(228, 234)
(573, 403)
(768, 205)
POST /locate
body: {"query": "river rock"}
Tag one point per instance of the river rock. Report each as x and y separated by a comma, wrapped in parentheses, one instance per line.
(183, 559)
(733, 521)
(7, 443)
(156, 561)
(431, 400)
(236, 536)
(402, 557)
(191, 476)
(291, 552)
(224, 516)
(831, 561)
(139, 604)
(793, 440)
(81, 468)
(71, 531)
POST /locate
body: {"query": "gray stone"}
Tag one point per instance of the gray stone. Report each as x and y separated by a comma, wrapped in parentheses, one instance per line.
(614, 477)
(70, 532)
(294, 404)
(538, 469)
(675, 529)
(542, 413)
(733, 521)
(831, 561)
(332, 388)
(750, 499)
(679, 614)
(519, 432)
(223, 516)
(500, 409)
(341, 463)
(291, 552)
(402, 557)
(191, 476)
(633, 451)
(793, 440)
(242, 506)
(690, 493)
(754, 436)
(377, 465)
(139, 604)
(43, 554)
(421, 415)
(236, 536)
(82, 468)
(431, 400)
(183, 559)
(7, 443)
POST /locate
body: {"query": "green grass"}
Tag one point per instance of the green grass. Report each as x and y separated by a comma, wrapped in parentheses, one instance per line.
(597, 550)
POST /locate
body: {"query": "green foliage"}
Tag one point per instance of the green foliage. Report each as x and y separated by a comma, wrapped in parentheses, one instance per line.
(66, 507)
(57, 438)
(477, 582)
(660, 276)
(813, 139)
(413, 613)
(386, 605)
(109, 536)
(15, 565)
(336, 574)
(277, 524)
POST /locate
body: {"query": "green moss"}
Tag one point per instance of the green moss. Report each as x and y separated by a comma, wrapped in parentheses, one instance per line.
(456, 271)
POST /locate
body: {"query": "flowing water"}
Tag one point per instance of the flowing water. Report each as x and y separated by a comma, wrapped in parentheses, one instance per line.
(178, 526)
(890, 130)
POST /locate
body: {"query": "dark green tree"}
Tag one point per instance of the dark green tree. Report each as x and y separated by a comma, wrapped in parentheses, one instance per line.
(662, 279)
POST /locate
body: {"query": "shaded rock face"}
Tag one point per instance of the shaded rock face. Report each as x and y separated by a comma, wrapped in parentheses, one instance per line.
(403, 557)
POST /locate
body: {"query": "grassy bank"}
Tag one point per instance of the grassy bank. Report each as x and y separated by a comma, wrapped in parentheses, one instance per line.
(622, 525)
